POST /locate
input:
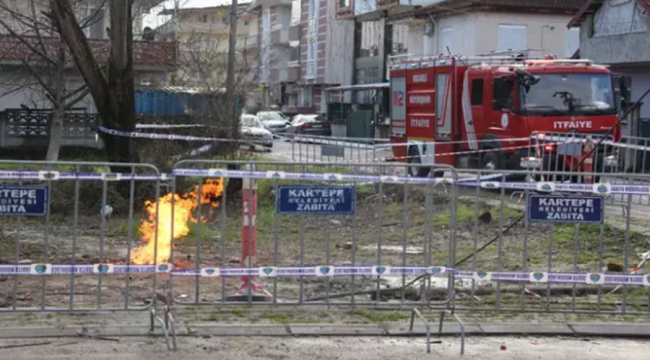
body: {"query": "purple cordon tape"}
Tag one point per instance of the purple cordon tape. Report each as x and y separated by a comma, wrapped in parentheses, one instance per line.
(329, 271)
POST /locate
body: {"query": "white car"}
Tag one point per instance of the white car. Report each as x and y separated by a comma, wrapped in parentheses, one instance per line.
(275, 121)
(253, 129)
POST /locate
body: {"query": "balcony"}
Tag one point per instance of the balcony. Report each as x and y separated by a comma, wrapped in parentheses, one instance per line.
(371, 10)
(293, 71)
(151, 54)
(389, 4)
(344, 9)
(280, 36)
(295, 32)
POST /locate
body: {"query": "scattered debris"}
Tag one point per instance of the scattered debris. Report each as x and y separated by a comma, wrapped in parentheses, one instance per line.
(87, 334)
(68, 343)
(614, 266)
(25, 345)
(335, 222)
(486, 217)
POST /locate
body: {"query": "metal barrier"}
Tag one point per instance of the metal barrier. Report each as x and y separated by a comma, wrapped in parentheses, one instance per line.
(72, 198)
(550, 245)
(317, 232)
(311, 148)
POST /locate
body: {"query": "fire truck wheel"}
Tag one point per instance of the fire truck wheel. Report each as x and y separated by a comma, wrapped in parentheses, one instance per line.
(414, 158)
(491, 161)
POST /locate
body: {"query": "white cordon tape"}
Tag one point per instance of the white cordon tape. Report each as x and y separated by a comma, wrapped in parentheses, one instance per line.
(71, 175)
(544, 186)
(153, 136)
(330, 271)
(482, 181)
(68, 269)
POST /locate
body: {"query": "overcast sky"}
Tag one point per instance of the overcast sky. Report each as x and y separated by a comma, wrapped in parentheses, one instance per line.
(153, 20)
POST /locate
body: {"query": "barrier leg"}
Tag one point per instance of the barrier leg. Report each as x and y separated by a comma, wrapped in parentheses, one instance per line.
(249, 289)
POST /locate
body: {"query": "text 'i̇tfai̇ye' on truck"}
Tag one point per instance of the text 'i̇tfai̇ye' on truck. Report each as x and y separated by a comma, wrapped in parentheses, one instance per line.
(492, 112)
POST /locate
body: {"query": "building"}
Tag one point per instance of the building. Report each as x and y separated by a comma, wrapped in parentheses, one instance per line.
(203, 38)
(304, 49)
(152, 59)
(386, 28)
(617, 33)
(20, 89)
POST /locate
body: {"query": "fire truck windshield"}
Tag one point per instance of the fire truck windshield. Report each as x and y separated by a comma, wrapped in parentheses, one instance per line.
(568, 94)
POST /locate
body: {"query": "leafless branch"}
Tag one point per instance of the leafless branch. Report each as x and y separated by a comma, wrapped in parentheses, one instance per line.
(80, 96)
(76, 91)
(39, 78)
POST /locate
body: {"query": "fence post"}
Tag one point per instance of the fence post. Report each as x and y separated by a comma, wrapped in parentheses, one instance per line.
(587, 165)
(248, 233)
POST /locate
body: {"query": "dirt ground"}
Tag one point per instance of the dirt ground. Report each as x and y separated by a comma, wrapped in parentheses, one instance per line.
(348, 348)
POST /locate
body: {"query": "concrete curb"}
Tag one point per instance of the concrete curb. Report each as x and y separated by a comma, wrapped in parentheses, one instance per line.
(393, 329)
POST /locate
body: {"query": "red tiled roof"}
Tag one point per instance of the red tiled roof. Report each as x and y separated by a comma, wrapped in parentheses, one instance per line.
(591, 6)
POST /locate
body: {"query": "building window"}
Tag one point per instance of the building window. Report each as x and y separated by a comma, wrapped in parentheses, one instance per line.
(572, 42)
(312, 40)
(305, 97)
(400, 39)
(344, 4)
(512, 37)
(446, 40)
(203, 18)
(477, 92)
(94, 19)
(97, 28)
(266, 43)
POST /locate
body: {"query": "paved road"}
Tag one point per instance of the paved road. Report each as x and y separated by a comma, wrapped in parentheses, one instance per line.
(347, 348)
(312, 152)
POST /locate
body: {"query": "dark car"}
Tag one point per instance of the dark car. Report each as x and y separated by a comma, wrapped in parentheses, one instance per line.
(310, 124)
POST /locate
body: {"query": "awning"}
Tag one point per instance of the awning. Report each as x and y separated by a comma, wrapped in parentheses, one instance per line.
(360, 87)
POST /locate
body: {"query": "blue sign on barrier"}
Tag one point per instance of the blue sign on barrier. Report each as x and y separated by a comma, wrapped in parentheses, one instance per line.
(332, 200)
(23, 200)
(566, 209)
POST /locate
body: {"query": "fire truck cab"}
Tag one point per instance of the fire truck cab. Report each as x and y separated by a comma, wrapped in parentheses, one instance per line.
(481, 112)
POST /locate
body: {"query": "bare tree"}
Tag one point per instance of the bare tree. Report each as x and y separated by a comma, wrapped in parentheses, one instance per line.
(112, 90)
(45, 59)
(203, 65)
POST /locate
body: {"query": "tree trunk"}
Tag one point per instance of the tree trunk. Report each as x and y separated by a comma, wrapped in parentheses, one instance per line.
(56, 130)
(58, 114)
(113, 94)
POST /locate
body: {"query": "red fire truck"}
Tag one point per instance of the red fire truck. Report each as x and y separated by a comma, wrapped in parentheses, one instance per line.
(480, 112)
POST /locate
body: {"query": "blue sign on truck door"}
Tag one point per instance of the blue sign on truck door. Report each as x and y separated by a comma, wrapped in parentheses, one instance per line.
(311, 200)
(566, 209)
(23, 200)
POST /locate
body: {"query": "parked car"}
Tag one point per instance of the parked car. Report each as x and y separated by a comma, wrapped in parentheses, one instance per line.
(253, 129)
(275, 121)
(308, 124)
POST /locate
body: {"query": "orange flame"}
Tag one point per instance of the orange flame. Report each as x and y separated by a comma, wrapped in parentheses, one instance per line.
(161, 219)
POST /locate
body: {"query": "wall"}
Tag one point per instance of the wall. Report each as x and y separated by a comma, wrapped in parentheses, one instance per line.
(616, 35)
(340, 49)
(12, 93)
(544, 31)
(640, 83)
(477, 33)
